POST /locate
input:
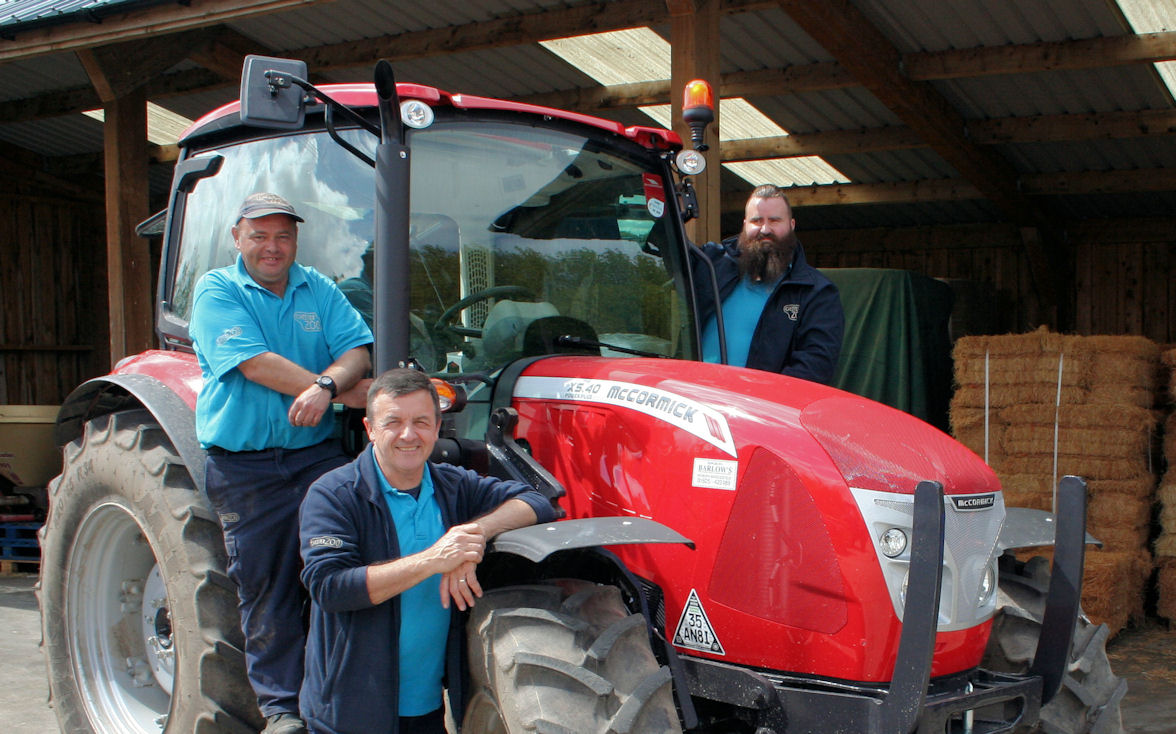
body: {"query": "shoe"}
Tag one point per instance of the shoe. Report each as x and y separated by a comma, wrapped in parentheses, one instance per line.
(284, 723)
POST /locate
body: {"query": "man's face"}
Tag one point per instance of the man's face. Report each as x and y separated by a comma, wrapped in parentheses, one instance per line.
(268, 245)
(766, 224)
(403, 430)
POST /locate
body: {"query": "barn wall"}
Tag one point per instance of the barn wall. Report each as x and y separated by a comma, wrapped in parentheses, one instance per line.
(1122, 272)
(53, 329)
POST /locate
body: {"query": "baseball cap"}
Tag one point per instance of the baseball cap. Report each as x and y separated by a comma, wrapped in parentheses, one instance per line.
(264, 204)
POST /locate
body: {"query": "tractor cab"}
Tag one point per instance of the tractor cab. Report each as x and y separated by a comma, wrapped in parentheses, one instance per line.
(524, 239)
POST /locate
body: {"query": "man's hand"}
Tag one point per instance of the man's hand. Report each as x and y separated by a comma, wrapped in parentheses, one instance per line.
(309, 406)
(461, 585)
(460, 548)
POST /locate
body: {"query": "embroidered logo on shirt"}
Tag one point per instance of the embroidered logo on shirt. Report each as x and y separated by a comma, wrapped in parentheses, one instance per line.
(228, 334)
(792, 310)
(308, 320)
(325, 541)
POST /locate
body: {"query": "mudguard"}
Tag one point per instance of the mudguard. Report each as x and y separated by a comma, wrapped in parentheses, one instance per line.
(537, 542)
(111, 393)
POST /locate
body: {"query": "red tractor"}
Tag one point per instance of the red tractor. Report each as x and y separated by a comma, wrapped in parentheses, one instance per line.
(741, 552)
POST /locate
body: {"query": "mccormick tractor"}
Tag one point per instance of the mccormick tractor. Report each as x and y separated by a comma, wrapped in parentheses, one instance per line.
(739, 551)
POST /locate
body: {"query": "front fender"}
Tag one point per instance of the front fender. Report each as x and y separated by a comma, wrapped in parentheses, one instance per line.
(537, 542)
(1026, 528)
(111, 393)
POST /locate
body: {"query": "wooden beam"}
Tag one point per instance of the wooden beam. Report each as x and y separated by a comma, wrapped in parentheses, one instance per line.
(138, 24)
(1052, 128)
(1088, 53)
(956, 189)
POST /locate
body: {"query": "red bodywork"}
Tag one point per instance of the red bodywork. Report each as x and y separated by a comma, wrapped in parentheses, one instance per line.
(178, 370)
(784, 568)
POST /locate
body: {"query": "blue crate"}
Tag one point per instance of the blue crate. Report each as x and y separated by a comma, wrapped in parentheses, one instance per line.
(18, 542)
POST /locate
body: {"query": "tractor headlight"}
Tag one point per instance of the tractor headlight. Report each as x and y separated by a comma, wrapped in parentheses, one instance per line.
(416, 113)
(893, 542)
(987, 586)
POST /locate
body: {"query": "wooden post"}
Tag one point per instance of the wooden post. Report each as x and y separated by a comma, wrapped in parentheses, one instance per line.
(694, 43)
(128, 256)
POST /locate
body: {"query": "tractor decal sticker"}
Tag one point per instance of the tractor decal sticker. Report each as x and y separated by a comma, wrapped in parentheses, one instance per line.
(652, 183)
(682, 412)
(715, 473)
(694, 629)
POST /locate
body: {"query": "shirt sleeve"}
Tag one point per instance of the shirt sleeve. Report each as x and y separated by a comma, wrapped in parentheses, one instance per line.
(342, 323)
(224, 331)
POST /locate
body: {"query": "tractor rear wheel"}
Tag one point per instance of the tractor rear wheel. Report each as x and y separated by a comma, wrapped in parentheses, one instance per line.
(139, 620)
(1088, 700)
(564, 657)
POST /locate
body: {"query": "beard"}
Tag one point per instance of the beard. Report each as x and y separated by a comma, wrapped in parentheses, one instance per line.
(767, 257)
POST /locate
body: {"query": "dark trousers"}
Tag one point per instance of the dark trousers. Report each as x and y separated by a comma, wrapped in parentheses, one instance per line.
(256, 495)
(433, 723)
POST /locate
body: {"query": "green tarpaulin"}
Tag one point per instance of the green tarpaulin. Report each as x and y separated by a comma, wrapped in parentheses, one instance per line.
(897, 347)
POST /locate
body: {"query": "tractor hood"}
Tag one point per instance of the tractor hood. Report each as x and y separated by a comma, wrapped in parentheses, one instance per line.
(785, 487)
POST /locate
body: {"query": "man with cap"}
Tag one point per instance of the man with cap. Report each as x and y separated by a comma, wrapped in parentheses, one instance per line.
(277, 343)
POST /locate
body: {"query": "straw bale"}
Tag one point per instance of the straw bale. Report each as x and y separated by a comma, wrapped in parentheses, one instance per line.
(1112, 511)
(1007, 395)
(1121, 538)
(1170, 439)
(1041, 341)
(1166, 544)
(1112, 584)
(1166, 584)
(1166, 494)
(1082, 466)
(1138, 348)
(1021, 495)
(967, 425)
(1142, 488)
(1120, 394)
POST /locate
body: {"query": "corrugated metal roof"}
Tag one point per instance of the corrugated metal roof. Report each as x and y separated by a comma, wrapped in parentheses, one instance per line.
(765, 38)
(25, 14)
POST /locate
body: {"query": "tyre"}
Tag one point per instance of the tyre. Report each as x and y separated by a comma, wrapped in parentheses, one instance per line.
(139, 621)
(1088, 700)
(564, 658)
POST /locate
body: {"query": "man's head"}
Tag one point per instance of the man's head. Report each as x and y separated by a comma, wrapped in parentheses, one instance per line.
(266, 234)
(768, 239)
(403, 421)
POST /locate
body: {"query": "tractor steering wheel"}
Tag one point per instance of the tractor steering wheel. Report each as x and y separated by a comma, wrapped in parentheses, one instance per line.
(494, 292)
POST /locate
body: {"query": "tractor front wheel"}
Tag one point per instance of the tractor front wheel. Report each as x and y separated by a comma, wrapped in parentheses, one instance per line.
(566, 656)
(1088, 701)
(140, 623)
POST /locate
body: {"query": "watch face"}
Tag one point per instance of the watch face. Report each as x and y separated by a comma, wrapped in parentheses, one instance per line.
(326, 383)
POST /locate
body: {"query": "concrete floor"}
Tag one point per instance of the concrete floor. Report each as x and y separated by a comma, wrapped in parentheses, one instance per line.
(1145, 656)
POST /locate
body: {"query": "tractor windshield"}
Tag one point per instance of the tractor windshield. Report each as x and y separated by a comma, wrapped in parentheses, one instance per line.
(525, 239)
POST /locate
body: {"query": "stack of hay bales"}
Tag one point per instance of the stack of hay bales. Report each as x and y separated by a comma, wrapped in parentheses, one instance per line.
(1166, 542)
(1042, 405)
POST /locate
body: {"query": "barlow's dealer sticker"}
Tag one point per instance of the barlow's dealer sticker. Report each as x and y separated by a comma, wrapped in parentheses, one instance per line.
(681, 412)
(694, 630)
(714, 473)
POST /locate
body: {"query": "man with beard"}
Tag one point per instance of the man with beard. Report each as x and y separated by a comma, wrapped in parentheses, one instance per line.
(779, 313)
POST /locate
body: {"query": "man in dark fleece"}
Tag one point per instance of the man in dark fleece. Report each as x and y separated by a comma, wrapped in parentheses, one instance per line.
(388, 541)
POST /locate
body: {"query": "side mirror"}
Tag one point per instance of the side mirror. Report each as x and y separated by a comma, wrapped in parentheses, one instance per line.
(270, 97)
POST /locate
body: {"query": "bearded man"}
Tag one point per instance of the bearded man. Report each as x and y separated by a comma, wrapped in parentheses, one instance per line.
(779, 313)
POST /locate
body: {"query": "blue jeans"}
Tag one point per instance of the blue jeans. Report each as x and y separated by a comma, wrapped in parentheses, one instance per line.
(256, 495)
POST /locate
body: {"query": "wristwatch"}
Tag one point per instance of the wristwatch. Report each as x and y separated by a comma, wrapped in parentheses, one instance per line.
(328, 384)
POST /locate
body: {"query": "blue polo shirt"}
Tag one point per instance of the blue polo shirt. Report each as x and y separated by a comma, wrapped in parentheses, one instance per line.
(424, 623)
(235, 319)
(741, 314)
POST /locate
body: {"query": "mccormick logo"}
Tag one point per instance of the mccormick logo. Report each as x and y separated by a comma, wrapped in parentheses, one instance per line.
(677, 410)
(974, 502)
